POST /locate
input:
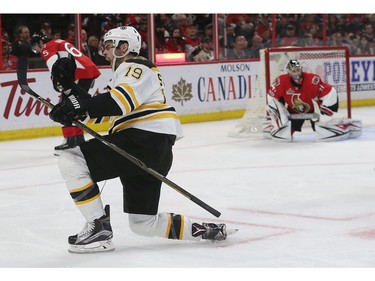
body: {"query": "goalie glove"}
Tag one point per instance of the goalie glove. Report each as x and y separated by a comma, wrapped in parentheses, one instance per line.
(329, 104)
(326, 110)
(71, 108)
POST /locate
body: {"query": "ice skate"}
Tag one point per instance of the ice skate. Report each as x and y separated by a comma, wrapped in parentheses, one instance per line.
(211, 231)
(96, 236)
(69, 142)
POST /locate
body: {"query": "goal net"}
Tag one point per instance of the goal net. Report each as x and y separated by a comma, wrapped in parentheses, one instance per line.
(330, 63)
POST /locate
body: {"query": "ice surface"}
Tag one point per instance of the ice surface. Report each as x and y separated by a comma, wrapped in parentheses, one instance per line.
(304, 204)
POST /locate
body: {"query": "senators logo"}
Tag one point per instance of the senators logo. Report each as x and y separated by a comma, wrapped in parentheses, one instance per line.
(299, 105)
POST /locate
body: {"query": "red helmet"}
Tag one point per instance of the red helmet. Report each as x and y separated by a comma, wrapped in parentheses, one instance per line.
(294, 70)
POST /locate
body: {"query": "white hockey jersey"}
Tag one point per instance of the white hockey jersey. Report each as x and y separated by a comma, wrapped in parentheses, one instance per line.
(138, 90)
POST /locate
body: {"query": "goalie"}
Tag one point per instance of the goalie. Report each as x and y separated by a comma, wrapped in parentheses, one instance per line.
(298, 96)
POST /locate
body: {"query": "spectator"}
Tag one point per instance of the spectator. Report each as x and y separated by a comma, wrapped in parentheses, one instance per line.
(290, 38)
(192, 40)
(21, 47)
(355, 25)
(281, 25)
(369, 32)
(9, 61)
(364, 47)
(311, 38)
(371, 20)
(304, 24)
(247, 30)
(221, 25)
(5, 35)
(142, 29)
(93, 45)
(337, 40)
(202, 21)
(316, 35)
(208, 31)
(240, 49)
(227, 42)
(85, 48)
(46, 29)
(111, 23)
(353, 42)
(163, 24)
(132, 20)
(257, 45)
(21, 44)
(57, 34)
(309, 41)
(176, 43)
(93, 24)
(263, 29)
(181, 21)
(334, 24)
(71, 34)
(238, 19)
(206, 52)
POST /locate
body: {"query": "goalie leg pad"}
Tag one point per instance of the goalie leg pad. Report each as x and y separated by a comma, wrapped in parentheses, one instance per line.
(338, 129)
(283, 133)
(330, 132)
(278, 126)
(355, 128)
(267, 128)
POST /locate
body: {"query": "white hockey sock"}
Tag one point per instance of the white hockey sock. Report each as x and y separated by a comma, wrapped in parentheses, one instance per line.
(83, 190)
(165, 225)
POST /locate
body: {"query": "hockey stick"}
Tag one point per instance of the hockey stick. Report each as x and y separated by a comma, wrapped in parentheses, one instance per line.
(22, 81)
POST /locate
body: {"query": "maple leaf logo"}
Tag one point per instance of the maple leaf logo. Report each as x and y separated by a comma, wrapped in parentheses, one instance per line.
(181, 92)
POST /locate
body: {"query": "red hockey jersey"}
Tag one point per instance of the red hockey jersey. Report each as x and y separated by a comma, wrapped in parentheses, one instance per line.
(299, 98)
(85, 66)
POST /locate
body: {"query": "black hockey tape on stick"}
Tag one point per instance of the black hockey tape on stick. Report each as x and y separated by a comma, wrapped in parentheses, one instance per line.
(22, 81)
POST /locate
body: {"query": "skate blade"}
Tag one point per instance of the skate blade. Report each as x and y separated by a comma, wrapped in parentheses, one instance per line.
(232, 231)
(96, 247)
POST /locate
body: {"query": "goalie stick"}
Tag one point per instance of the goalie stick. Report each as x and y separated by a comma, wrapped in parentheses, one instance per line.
(304, 116)
(22, 81)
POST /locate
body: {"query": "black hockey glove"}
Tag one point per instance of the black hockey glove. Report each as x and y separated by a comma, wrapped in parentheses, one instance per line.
(63, 73)
(69, 109)
(21, 49)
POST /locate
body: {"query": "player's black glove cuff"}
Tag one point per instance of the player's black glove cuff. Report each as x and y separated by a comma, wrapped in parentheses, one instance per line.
(21, 49)
(69, 109)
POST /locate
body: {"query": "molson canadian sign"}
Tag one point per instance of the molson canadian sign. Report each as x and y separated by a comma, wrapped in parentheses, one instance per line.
(205, 88)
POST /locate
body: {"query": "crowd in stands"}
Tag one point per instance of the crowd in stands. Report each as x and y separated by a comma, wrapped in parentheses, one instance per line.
(240, 36)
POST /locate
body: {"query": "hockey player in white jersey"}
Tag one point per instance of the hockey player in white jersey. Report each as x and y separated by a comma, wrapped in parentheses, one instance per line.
(143, 125)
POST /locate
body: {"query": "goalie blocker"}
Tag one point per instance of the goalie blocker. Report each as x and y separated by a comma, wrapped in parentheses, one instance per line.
(278, 124)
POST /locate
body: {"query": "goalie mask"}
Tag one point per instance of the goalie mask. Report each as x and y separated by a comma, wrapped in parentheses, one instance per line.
(294, 70)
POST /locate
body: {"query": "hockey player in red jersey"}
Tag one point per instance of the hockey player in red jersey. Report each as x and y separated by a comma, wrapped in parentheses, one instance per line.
(85, 75)
(141, 123)
(297, 96)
